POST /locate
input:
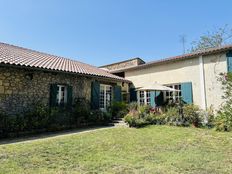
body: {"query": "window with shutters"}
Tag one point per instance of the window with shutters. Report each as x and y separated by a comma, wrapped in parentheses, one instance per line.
(105, 96)
(144, 97)
(173, 96)
(61, 97)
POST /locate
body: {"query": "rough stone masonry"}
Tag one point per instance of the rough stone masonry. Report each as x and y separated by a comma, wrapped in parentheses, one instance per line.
(20, 88)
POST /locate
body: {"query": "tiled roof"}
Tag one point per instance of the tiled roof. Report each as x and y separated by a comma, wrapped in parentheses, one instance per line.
(177, 58)
(14, 55)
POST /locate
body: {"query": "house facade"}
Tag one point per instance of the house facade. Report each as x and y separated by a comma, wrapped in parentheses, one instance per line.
(194, 75)
(28, 77)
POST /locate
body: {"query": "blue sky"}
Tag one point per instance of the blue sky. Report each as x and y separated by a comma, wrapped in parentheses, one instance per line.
(99, 32)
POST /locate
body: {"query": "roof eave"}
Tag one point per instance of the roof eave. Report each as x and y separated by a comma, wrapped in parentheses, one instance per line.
(60, 71)
(176, 58)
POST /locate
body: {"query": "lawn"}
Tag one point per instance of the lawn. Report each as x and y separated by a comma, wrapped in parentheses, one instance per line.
(154, 149)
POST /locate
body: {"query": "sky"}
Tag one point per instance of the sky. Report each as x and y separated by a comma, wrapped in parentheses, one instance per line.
(100, 32)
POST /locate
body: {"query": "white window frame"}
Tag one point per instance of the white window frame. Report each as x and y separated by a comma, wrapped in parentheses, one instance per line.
(173, 95)
(106, 96)
(146, 99)
(62, 94)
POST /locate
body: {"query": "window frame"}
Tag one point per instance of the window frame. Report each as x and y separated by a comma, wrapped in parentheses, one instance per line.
(105, 96)
(174, 96)
(144, 97)
(62, 95)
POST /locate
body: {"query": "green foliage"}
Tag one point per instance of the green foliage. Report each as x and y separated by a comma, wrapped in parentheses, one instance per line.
(118, 109)
(99, 117)
(36, 117)
(132, 107)
(130, 120)
(153, 118)
(213, 39)
(192, 115)
(210, 117)
(60, 119)
(185, 115)
(223, 120)
(41, 118)
(4, 123)
(173, 117)
(144, 110)
(81, 111)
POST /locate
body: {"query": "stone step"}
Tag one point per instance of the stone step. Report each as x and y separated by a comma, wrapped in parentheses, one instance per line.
(119, 123)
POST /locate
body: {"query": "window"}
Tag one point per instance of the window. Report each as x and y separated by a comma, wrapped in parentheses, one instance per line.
(173, 96)
(105, 96)
(144, 97)
(141, 97)
(148, 99)
(61, 97)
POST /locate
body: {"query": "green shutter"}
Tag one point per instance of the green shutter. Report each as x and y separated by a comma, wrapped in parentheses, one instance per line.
(133, 95)
(69, 96)
(117, 93)
(186, 90)
(53, 95)
(153, 95)
(95, 95)
(229, 61)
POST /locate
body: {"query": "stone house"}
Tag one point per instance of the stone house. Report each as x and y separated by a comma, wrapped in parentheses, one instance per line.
(28, 77)
(194, 75)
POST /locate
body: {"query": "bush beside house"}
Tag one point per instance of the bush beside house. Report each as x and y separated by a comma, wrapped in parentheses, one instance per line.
(185, 116)
(41, 118)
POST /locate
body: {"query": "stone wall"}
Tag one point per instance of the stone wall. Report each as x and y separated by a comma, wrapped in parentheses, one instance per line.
(20, 88)
(124, 64)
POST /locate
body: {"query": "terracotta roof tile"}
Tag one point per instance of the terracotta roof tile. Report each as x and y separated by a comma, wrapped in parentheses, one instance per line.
(14, 55)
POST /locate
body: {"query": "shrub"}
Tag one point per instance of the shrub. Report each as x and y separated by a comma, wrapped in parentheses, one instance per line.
(209, 117)
(192, 115)
(36, 117)
(144, 110)
(157, 119)
(99, 117)
(173, 117)
(4, 123)
(59, 119)
(130, 119)
(223, 120)
(81, 111)
(118, 109)
(141, 122)
(132, 107)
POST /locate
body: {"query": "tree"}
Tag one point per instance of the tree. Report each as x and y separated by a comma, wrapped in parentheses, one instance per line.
(219, 37)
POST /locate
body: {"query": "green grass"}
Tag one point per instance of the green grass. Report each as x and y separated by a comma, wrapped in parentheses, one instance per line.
(154, 149)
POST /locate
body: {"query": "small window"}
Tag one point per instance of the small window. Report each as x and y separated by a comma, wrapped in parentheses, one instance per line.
(61, 97)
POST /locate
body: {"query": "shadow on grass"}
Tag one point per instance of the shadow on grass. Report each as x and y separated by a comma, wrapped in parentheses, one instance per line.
(45, 135)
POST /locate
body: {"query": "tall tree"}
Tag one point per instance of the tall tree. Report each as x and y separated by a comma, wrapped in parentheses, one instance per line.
(212, 39)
